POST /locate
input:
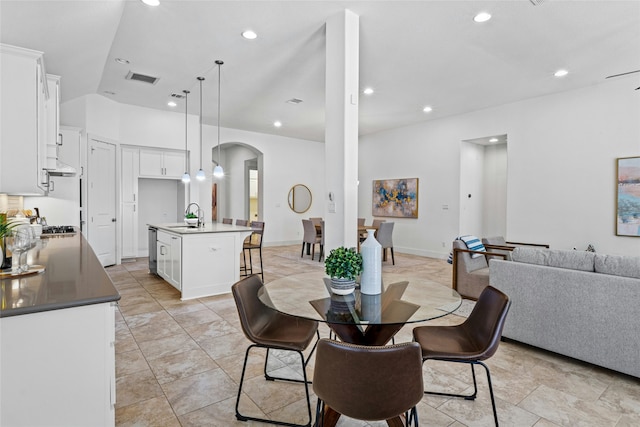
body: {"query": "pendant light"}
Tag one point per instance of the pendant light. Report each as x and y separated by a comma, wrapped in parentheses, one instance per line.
(186, 178)
(200, 176)
(218, 172)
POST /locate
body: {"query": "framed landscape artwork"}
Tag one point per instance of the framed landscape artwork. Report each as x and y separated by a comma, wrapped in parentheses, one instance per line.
(628, 197)
(395, 197)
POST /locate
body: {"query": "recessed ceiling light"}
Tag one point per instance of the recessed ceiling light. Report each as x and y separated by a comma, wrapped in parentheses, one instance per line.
(151, 2)
(482, 17)
(560, 73)
(122, 61)
(171, 104)
(427, 109)
(368, 91)
(493, 140)
(277, 123)
(249, 35)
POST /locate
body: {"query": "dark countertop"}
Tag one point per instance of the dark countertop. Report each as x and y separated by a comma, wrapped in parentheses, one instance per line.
(73, 277)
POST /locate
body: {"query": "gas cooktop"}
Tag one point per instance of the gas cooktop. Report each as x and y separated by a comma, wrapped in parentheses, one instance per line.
(58, 230)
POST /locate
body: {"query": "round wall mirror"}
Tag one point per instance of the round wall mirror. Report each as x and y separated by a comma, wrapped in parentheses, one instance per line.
(299, 198)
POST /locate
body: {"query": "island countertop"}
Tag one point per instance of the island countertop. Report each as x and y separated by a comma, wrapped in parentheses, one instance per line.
(73, 277)
(182, 228)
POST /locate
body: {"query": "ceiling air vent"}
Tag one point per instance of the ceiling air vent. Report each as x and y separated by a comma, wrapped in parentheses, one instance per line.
(537, 2)
(177, 95)
(142, 78)
(294, 101)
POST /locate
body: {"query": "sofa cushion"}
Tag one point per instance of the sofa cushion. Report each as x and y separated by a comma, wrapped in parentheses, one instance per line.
(574, 260)
(618, 265)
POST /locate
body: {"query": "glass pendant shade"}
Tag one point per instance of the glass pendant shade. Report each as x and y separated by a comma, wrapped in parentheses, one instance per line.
(186, 178)
(218, 172)
(200, 176)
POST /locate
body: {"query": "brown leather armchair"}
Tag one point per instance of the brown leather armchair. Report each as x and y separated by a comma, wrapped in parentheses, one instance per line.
(370, 383)
(270, 329)
(473, 341)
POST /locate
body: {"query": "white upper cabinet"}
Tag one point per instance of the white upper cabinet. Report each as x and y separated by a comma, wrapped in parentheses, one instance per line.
(162, 163)
(23, 114)
(52, 137)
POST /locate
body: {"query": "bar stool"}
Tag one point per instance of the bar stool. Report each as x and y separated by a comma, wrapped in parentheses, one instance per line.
(253, 242)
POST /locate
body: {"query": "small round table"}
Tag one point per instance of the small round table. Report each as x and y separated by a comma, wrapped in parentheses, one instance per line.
(358, 318)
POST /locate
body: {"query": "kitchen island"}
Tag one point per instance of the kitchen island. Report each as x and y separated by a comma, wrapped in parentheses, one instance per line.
(57, 334)
(199, 261)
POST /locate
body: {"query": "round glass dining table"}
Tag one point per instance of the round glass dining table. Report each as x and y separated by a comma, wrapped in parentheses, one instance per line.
(359, 318)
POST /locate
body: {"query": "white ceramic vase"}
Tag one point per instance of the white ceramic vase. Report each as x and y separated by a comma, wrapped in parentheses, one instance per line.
(371, 278)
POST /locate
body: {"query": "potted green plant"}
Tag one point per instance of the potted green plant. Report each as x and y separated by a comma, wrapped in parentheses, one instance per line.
(190, 218)
(343, 267)
(5, 229)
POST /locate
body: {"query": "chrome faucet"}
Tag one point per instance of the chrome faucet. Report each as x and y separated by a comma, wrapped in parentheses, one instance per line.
(199, 214)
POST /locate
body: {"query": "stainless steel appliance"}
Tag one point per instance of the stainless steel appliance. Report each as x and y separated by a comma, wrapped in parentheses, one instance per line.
(58, 230)
(153, 257)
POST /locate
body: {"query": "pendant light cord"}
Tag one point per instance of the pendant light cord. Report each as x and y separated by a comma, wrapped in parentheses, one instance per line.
(186, 123)
(219, 78)
(201, 79)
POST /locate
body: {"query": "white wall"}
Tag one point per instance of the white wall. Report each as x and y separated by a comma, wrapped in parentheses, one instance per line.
(561, 169)
(494, 190)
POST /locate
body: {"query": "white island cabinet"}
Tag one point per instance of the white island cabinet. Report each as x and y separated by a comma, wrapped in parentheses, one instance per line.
(200, 261)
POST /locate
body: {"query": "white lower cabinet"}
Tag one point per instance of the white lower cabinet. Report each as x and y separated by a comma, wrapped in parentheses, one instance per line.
(57, 368)
(169, 254)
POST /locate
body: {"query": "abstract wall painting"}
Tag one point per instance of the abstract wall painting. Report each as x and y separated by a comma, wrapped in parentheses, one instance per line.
(395, 198)
(628, 198)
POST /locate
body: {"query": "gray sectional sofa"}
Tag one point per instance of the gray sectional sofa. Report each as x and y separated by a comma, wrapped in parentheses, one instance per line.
(579, 304)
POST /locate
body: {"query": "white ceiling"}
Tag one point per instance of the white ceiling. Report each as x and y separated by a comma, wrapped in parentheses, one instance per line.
(413, 53)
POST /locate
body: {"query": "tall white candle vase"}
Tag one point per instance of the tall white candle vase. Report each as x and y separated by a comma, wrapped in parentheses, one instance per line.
(371, 279)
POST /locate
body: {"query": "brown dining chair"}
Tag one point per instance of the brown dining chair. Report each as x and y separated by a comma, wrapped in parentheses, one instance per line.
(227, 220)
(474, 340)
(270, 329)
(242, 222)
(370, 383)
(251, 243)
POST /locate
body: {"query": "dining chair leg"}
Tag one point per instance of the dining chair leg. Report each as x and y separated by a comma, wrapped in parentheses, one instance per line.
(475, 387)
(302, 252)
(393, 258)
(305, 381)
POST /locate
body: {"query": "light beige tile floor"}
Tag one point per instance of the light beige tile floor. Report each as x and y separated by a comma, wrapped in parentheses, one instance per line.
(178, 363)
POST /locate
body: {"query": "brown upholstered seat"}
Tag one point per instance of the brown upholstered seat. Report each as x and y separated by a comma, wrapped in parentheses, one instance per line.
(227, 220)
(473, 341)
(368, 383)
(269, 329)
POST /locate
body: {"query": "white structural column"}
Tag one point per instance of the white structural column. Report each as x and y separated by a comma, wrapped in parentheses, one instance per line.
(341, 130)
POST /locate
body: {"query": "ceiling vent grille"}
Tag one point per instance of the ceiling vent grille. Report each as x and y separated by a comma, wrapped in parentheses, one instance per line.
(177, 95)
(537, 2)
(142, 78)
(294, 101)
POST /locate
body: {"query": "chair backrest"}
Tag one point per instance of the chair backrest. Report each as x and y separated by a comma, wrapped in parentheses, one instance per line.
(368, 382)
(322, 233)
(243, 222)
(465, 263)
(254, 315)
(258, 232)
(377, 222)
(361, 221)
(384, 235)
(310, 234)
(227, 221)
(495, 240)
(486, 321)
(316, 221)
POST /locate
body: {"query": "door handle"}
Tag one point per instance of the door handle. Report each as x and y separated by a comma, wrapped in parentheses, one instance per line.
(113, 220)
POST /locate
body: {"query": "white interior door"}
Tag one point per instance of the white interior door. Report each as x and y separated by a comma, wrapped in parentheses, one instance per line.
(102, 200)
